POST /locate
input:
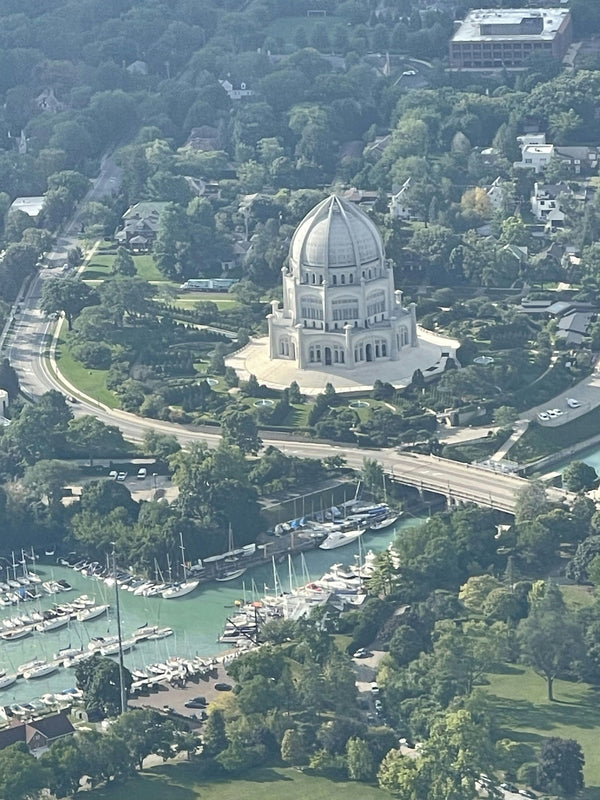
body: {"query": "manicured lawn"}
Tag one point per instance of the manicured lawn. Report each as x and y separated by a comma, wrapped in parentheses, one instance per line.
(179, 782)
(100, 267)
(525, 714)
(538, 440)
(90, 381)
(188, 300)
(147, 269)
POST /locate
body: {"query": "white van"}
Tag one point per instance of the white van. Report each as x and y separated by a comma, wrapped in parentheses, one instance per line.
(142, 472)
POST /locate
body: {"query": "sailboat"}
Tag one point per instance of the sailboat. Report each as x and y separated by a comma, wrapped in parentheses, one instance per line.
(186, 586)
(231, 557)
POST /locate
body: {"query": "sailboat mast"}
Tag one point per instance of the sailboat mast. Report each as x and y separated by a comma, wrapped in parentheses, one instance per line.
(182, 548)
(119, 634)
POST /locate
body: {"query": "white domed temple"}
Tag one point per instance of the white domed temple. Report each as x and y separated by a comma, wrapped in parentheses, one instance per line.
(339, 303)
(342, 321)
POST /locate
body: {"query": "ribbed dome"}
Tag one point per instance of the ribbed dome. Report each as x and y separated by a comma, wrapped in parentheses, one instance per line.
(335, 234)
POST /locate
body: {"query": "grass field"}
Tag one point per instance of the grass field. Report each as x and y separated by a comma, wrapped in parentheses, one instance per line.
(525, 714)
(89, 381)
(100, 267)
(178, 782)
(538, 440)
(190, 301)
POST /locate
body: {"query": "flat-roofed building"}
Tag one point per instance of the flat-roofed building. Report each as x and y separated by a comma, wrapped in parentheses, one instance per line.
(506, 38)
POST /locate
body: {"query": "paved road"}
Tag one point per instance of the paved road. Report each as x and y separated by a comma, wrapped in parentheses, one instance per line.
(460, 482)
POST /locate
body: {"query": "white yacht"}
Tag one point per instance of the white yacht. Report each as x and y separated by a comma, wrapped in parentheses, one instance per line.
(341, 537)
(92, 612)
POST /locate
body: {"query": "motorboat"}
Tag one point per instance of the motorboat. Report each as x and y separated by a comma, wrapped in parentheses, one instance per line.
(92, 612)
(98, 642)
(384, 523)
(341, 537)
(64, 585)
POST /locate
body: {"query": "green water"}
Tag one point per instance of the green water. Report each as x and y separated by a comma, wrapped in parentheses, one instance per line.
(197, 619)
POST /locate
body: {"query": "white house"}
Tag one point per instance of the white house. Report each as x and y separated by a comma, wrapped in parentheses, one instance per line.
(545, 203)
(497, 193)
(535, 153)
(236, 93)
(399, 206)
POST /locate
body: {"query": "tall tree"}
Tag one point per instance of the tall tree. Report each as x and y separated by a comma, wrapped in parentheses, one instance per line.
(550, 638)
(560, 766)
(67, 295)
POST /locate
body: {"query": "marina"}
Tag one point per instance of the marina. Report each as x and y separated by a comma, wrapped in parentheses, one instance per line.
(189, 626)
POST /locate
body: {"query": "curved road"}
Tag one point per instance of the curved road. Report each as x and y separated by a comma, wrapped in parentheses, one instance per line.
(31, 340)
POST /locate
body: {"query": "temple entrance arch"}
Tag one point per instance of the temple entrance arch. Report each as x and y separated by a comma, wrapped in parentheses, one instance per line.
(328, 356)
(369, 352)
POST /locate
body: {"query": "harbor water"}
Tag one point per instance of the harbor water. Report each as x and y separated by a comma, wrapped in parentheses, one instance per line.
(197, 619)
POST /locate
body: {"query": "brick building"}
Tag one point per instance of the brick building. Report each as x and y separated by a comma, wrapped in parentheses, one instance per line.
(506, 38)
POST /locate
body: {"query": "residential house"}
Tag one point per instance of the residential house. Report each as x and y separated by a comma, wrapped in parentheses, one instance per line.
(399, 203)
(204, 139)
(545, 203)
(578, 159)
(535, 152)
(38, 734)
(573, 327)
(498, 193)
(47, 101)
(28, 205)
(140, 226)
(376, 148)
(364, 198)
(236, 93)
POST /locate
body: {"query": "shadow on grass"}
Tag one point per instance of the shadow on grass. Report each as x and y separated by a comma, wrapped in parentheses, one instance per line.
(506, 669)
(581, 712)
(98, 274)
(188, 773)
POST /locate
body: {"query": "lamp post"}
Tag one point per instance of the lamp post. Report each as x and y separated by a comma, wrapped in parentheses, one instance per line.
(118, 607)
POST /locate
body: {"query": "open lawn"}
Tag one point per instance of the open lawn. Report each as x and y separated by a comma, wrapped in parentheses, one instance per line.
(90, 381)
(100, 267)
(539, 440)
(524, 714)
(179, 782)
(189, 300)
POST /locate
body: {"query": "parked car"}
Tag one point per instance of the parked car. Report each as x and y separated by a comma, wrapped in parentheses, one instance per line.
(223, 687)
(409, 72)
(374, 688)
(201, 701)
(543, 416)
(527, 793)
(509, 787)
(572, 402)
(122, 476)
(194, 704)
(142, 472)
(362, 652)
(113, 474)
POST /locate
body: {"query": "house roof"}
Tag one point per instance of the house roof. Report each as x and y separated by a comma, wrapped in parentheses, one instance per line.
(29, 205)
(144, 210)
(51, 727)
(576, 322)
